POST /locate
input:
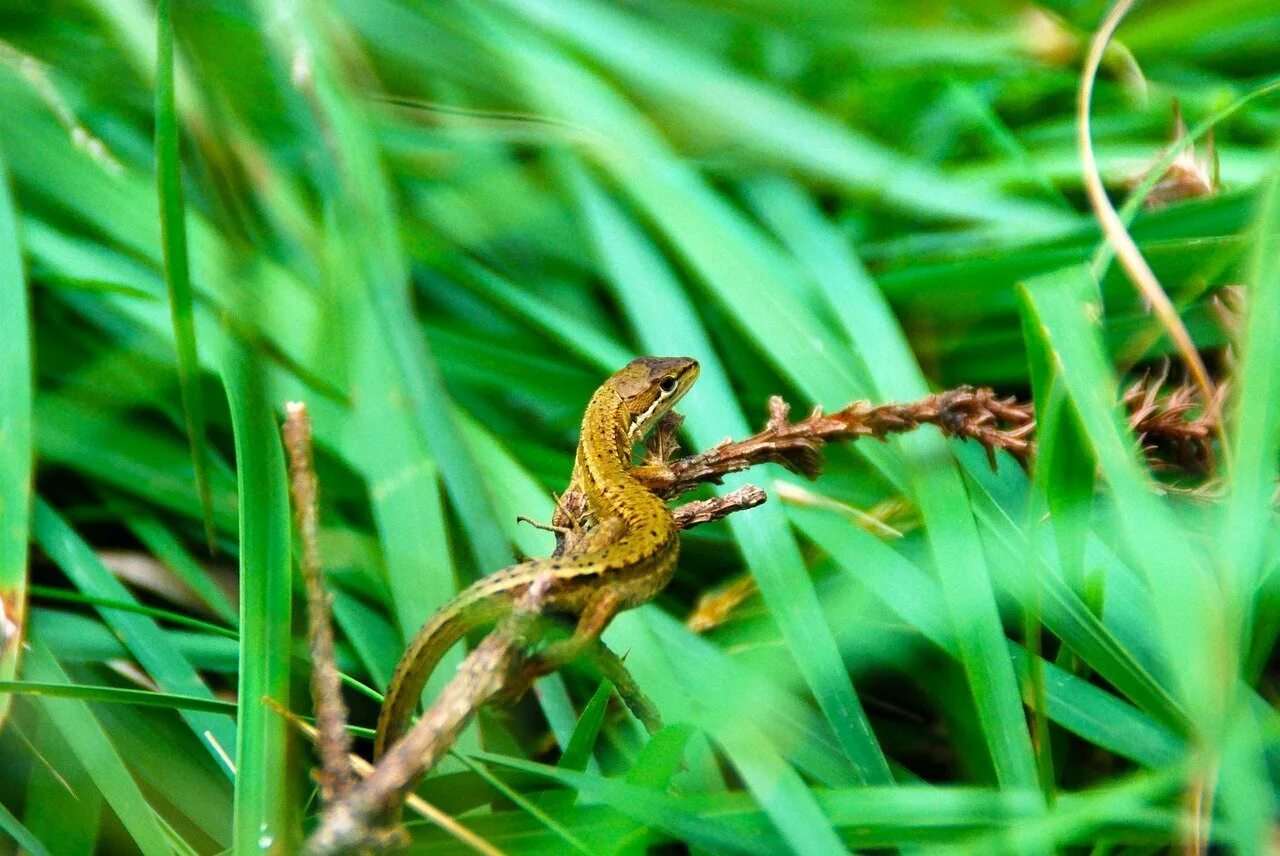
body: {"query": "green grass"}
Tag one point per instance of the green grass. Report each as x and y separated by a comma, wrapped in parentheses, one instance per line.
(16, 455)
(442, 224)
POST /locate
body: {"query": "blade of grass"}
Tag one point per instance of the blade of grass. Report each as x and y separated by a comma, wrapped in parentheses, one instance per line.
(74, 637)
(63, 596)
(76, 723)
(263, 798)
(643, 805)
(526, 805)
(117, 695)
(21, 836)
(146, 641)
(364, 214)
(370, 633)
(679, 670)
(63, 807)
(582, 744)
(166, 547)
(767, 121)
(789, 803)
(911, 594)
(1247, 794)
(1256, 420)
(1111, 648)
(569, 332)
(145, 463)
(15, 439)
(661, 757)
(173, 232)
(167, 761)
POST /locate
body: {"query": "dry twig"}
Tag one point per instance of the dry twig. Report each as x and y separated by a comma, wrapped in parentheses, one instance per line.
(369, 816)
(337, 776)
(968, 412)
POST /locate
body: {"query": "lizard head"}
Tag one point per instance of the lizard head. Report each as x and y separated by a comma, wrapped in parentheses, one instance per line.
(649, 387)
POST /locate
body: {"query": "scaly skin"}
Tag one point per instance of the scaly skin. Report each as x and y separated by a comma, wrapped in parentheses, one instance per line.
(631, 552)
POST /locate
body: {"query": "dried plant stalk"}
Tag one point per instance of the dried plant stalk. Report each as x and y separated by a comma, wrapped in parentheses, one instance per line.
(337, 776)
(1175, 429)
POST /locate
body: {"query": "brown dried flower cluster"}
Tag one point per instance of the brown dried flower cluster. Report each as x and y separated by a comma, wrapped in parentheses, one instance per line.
(1173, 427)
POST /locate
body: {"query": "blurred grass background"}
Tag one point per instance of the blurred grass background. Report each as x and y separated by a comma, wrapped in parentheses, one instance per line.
(442, 224)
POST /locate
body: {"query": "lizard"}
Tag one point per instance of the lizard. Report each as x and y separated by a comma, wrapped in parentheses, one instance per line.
(627, 557)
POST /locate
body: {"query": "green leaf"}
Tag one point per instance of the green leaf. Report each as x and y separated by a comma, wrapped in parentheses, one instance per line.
(21, 836)
(264, 802)
(768, 122)
(94, 750)
(162, 544)
(15, 439)
(1256, 417)
(116, 695)
(1062, 312)
(63, 806)
(661, 757)
(173, 231)
(641, 804)
(145, 640)
(911, 594)
(578, 752)
(932, 479)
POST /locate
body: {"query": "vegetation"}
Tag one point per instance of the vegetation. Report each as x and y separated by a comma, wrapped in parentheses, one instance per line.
(442, 224)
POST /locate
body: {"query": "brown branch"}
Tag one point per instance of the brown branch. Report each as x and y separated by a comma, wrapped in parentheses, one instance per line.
(978, 414)
(337, 776)
(413, 802)
(369, 817)
(701, 511)
(996, 423)
(1175, 431)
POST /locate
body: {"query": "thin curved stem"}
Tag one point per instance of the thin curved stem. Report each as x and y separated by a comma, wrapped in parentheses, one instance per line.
(1126, 250)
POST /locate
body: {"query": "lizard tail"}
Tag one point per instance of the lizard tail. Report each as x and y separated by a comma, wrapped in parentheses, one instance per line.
(441, 632)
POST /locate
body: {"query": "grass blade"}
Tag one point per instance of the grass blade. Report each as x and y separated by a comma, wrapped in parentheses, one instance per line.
(1059, 307)
(768, 121)
(15, 439)
(582, 744)
(117, 695)
(142, 636)
(21, 836)
(162, 544)
(264, 800)
(173, 230)
(642, 804)
(77, 725)
(63, 806)
(1257, 404)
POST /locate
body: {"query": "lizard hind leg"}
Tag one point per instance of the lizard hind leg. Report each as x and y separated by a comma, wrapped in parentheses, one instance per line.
(592, 621)
(595, 617)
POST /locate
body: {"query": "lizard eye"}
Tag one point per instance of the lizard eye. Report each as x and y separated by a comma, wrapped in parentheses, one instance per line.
(668, 385)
